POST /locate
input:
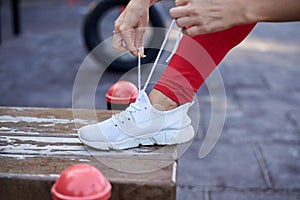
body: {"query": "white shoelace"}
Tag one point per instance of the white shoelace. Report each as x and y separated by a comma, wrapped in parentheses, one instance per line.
(126, 115)
(158, 55)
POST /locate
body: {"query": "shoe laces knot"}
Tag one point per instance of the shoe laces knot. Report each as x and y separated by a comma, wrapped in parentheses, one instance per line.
(126, 115)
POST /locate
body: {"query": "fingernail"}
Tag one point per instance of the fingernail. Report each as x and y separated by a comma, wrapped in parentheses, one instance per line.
(141, 52)
(123, 43)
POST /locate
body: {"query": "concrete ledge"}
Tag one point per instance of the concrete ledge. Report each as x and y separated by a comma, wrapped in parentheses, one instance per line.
(37, 144)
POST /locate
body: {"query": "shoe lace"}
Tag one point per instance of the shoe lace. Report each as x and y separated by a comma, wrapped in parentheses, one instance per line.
(126, 115)
(159, 54)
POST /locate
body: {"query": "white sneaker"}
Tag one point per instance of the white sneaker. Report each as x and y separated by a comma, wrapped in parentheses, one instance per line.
(140, 124)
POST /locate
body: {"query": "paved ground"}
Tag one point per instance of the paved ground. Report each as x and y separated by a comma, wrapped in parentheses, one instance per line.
(258, 154)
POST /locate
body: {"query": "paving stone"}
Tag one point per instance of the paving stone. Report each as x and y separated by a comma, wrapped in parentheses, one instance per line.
(252, 128)
(262, 61)
(277, 57)
(259, 98)
(283, 32)
(247, 75)
(193, 193)
(254, 113)
(255, 125)
(253, 196)
(223, 109)
(294, 118)
(228, 165)
(284, 79)
(263, 117)
(283, 163)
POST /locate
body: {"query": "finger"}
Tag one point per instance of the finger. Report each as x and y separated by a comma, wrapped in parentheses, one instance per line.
(129, 38)
(183, 22)
(199, 29)
(139, 37)
(192, 31)
(178, 12)
(117, 25)
(117, 43)
(181, 2)
(123, 41)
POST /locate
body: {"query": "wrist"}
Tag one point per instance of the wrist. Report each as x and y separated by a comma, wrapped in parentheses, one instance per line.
(146, 2)
(140, 2)
(259, 11)
(274, 10)
(247, 10)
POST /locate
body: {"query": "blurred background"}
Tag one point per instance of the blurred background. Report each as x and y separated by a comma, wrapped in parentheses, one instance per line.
(258, 154)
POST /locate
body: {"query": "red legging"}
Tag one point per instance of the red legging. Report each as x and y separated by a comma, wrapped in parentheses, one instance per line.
(194, 61)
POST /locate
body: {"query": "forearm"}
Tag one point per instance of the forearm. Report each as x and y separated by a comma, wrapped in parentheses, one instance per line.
(271, 10)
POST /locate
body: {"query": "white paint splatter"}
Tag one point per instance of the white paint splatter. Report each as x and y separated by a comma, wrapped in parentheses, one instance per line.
(17, 119)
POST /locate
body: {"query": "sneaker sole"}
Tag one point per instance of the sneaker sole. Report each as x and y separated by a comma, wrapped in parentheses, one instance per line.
(168, 137)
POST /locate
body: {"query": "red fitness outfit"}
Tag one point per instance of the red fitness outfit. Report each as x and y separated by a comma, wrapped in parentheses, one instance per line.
(195, 59)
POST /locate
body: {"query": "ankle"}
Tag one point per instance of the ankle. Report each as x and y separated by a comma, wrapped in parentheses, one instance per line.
(160, 101)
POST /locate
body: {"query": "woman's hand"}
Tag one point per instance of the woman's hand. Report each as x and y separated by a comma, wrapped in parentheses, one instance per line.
(205, 16)
(130, 27)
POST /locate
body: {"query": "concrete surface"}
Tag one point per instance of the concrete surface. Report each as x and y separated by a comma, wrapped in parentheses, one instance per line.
(258, 154)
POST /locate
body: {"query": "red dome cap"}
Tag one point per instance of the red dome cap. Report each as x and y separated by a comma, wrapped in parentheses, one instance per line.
(122, 92)
(81, 181)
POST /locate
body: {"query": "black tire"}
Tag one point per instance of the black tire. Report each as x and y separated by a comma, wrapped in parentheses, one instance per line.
(92, 36)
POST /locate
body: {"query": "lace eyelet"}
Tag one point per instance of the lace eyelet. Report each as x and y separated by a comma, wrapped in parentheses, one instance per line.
(128, 119)
(116, 125)
(145, 108)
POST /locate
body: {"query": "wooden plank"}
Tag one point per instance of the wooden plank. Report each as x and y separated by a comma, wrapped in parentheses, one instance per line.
(37, 144)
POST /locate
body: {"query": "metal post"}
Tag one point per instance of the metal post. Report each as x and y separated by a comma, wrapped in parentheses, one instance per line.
(16, 17)
(0, 25)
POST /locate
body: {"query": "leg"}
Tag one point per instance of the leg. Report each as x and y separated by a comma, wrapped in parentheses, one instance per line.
(159, 120)
(191, 65)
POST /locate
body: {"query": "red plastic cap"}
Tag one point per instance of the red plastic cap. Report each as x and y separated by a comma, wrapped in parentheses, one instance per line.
(122, 92)
(81, 182)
